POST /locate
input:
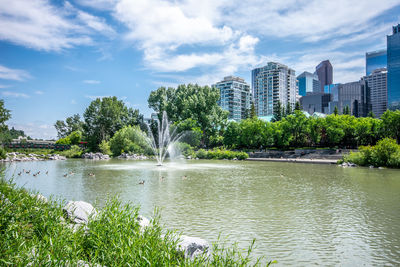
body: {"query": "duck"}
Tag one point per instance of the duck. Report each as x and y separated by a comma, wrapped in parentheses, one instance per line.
(92, 174)
(19, 174)
(65, 175)
(184, 177)
(47, 172)
(141, 182)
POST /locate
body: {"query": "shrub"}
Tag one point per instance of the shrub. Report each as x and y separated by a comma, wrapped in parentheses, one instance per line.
(130, 139)
(201, 154)
(63, 141)
(105, 148)
(220, 154)
(185, 149)
(74, 152)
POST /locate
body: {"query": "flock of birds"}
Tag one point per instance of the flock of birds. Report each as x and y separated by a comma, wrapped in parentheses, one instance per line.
(141, 182)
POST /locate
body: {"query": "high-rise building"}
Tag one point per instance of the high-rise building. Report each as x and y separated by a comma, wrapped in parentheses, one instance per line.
(315, 102)
(377, 87)
(393, 68)
(274, 83)
(308, 83)
(324, 72)
(235, 97)
(354, 95)
(375, 60)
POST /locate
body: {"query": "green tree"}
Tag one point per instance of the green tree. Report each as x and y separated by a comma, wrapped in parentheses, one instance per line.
(298, 106)
(129, 139)
(391, 124)
(371, 114)
(346, 110)
(253, 113)
(298, 126)
(336, 111)
(288, 110)
(192, 101)
(5, 115)
(232, 135)
(71, 124)
(277, 113)
(254, 134)
(106, 116)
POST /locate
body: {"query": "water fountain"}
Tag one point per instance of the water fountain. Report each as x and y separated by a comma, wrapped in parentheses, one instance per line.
(166, 139)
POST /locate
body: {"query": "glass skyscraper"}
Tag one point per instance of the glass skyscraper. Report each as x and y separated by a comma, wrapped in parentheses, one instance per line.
(308, 83)
(393, 64)
(235, 97)
(375, 60)
(324, 71)
(377, 89)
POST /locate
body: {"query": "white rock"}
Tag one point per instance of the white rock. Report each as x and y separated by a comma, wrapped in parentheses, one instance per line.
(143, 221)
(192, 247)
(79, 211)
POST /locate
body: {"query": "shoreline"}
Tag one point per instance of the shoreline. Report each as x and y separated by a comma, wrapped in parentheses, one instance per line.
(295, 160)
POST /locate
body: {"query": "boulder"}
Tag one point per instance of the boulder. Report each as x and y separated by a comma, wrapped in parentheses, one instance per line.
(143, 221)
(79, 211)
(192, 247)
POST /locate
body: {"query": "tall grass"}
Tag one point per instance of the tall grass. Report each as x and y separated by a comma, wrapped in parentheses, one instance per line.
(32, 233)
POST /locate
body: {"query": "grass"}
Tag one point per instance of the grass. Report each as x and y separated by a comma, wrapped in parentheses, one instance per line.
(31, 232)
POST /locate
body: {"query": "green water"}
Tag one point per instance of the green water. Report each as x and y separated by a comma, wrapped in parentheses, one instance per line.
(300, 214)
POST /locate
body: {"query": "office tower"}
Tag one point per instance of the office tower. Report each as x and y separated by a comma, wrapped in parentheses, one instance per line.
(354, 95)
(315, 102)
(375, 60)
(274, 82)
(324, 72)
(393, 68)
(377, 88)
(308, 83)
(235, 97)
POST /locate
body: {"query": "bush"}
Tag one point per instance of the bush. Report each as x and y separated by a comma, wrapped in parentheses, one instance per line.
(105, 148)
(74, 152)
(185, 149)
(220, 154)
(63, 141)
(130, 139)
(385, 153)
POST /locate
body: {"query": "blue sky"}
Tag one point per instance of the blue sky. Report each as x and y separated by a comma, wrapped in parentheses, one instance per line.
(57, 56)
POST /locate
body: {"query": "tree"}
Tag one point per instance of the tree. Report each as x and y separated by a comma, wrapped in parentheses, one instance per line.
(129, 139)
(5, 115)
(277, 113)
(288, 109)
(298, 106)
(106, 116)
(346, 110)
(232, 135)
(299, 127)
(336, 111)
(253, 113)
(192, 101)
(371, 114)
(70, 125)
(391, 124)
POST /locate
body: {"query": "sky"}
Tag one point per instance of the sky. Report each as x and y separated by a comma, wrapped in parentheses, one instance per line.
(58, 56)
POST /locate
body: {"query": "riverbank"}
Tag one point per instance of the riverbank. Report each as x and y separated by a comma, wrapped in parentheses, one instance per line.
(312, 161)
(36, 231)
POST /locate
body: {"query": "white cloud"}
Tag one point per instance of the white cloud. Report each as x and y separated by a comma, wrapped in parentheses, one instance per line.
(38, 129)
(91, 82)
(40, 25)
(13, 74)
(38, 92)
(14, 94)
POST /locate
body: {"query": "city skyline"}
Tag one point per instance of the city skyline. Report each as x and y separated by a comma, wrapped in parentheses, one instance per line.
(56, 56)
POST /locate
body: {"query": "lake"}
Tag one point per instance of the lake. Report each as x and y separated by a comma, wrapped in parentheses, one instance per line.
(300, 214)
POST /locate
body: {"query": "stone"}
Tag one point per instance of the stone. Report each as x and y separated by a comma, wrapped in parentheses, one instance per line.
(143, 221)
(192, 247)
(79, 211)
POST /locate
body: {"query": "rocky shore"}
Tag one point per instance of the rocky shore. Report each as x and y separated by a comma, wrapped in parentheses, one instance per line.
(16, 156)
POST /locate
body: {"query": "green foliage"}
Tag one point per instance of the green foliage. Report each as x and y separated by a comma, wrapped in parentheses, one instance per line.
(130, 139)
(104, 117)
(232, 135)
(277, 115)
(70, 125)
(185, 149)
(74, 152)
(32, 234)
(198, 103)
(191, 131)
(2, 153)
(391, 124)
(105, 148)
(221, 154)
(336, 111)
(75, 137)
(5, 115)
(386, 153)
(63, 141)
